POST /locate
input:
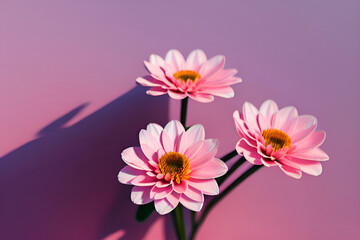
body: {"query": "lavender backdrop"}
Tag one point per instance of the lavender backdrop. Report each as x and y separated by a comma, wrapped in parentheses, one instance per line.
(68, 107)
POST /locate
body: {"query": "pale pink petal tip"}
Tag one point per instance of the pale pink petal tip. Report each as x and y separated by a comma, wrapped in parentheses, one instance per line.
(280, 137)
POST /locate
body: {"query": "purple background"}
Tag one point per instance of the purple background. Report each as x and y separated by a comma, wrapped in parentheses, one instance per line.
(69, 107)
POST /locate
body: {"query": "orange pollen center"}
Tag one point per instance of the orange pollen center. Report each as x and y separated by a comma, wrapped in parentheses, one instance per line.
(185, 75)
(276, 138)
(175, 164)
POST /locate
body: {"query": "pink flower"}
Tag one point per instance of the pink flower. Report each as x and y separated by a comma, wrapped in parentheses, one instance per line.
(197, 77)
(172, 166)
(280, 138)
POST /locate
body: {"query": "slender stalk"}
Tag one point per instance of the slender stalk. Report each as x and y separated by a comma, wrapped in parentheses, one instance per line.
(179, 222)
(193, 218)
(184, 105)
(211, 205)
(178, 214)
(229, 156)
(233, 168)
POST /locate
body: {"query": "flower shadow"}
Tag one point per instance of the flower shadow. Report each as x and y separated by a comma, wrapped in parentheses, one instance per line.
(63, 185)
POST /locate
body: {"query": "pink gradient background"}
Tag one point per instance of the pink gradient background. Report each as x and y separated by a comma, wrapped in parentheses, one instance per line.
(57, 55)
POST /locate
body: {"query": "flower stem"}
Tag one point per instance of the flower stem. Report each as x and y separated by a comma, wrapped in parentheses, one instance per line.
(178, 215)
(179, 222)
(233, 168)
(193, 218)
(229, 156)
(184, 105)
(208, 208)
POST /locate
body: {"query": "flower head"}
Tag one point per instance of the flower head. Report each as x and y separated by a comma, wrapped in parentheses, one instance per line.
(197, 77)
(171, 166)
(280, 138)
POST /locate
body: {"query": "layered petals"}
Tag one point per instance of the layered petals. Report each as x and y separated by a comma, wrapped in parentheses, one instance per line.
(172, 165)
(280, 137)
(196, 77)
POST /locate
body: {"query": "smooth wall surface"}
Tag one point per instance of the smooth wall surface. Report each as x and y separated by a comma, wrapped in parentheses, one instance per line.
(68, 107)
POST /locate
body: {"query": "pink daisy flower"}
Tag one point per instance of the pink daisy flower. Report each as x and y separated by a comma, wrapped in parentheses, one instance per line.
(196, 77)
(171, 166)
(274, 137)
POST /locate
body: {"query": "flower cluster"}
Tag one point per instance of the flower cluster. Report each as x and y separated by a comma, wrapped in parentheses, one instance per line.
(173, 165)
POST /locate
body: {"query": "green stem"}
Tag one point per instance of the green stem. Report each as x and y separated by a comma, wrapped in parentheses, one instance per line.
(184, 104)
(229, 156)
(233, 168)
(178, 215)
(211, 205)
(179, 222)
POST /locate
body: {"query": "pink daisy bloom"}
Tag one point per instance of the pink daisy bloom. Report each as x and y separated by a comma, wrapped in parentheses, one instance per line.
(196, 77)
(282, 138)
(171, 166)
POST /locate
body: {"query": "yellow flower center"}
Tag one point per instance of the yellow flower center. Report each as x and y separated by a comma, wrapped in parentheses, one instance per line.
(276, 138)
(175, 164)
(185, 75)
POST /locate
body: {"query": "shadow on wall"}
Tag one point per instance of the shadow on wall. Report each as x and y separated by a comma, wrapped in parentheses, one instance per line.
(64, 185)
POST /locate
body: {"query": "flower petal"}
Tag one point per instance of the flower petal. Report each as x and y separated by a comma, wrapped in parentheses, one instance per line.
(182, 143)
(268, 162)
(242, 129)
(250, 113)
(175, 58)
(163, 206)
(155, 130)
(195, 134)
(162, 184)
(212, 169)
(156, 60)
(315, 139)
(206, 186)
(213, 65)
(310, 167)
(195, 59)
(167, 142)
(173, 198)
(262, 122)
(248, 151)
(155, 70)
(224, 91)
(156, 91)
(150, 82)
(315, 154)
(191, 204)
(305, 125)
(181, 187)
(127, 174)
(194, 194)
(281, 117)
(206, 153)
(148, 139)
(158, 193)
(149, 152)
(141, 195)
(223, 77)
(290, 171)
(144, 180)
(177, 94)
(268, 108)
(173, 131)
(201, 97)
(194, 149)
(134, 157)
